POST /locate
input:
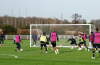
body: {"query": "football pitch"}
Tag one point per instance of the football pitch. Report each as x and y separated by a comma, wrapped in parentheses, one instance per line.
(32, 56)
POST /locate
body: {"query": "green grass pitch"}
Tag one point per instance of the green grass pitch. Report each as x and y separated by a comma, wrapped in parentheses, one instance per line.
(32, 56)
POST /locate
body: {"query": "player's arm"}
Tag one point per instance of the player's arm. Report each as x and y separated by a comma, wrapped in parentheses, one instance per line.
(36, 37)
(93, 37)
(14, 41)
(89, 38)
(86, 36)
(83, 38)
(57, 37)
(20, 39)
(68, 40)
(47, 39)
(50, 36)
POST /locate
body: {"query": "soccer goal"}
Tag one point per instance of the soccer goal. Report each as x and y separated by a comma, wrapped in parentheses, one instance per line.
(64, 31)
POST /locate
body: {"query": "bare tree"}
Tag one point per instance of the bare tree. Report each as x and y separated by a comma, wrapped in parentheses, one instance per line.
(76, 17)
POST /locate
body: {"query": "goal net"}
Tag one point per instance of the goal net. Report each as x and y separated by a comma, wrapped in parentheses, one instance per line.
(64, 31)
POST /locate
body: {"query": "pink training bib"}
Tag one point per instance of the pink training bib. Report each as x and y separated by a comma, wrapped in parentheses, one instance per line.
(97, 38)
(53, 36)
(84, 36)
(17, 38)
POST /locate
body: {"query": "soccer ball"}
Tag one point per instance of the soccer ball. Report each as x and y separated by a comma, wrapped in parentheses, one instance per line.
(21, 50)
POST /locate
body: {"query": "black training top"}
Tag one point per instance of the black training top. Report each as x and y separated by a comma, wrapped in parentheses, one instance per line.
(72, 40)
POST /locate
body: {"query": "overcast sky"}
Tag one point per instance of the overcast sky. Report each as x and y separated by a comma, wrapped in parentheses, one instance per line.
(89, 9)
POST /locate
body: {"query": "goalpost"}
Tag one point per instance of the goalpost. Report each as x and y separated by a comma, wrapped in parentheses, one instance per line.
(64, 31)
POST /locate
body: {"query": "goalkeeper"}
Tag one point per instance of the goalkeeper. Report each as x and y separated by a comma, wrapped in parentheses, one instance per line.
(73, 41)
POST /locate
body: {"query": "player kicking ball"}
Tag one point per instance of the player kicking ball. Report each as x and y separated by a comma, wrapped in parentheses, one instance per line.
(17, 41)
(43, 41)
(96, 42)
(73, 41)
(53, 36)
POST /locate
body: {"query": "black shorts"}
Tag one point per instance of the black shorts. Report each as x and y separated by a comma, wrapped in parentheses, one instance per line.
(43, 45)
(73, 43)
(81, 43)
(96, 45)
(84, 43)
(53, 43)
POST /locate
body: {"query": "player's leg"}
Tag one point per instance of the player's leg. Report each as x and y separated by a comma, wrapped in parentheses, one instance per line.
(86, 48)
(53, 44)
(50, 46)
(80, 46)
(76, 44)
(2, 42)
(93, 51)
(71, 45)
(96, 49)
(34, 42)
(45, 48)
(56, 48)
(16, 47)
(98, 45)
(19, 47)
(41, 47)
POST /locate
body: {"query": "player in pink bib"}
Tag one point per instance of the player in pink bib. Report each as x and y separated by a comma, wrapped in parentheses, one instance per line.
(17, 41)
(85, 37)
(53, 37)
(90, 37)
(96, 42)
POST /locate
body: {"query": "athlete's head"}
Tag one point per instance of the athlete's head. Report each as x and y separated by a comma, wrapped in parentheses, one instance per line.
(71, 37)
(53, 30)
(91, 33)
(34, 31)
(2, 32)
(82, 32)
(96, 29)
(18, 33)
(79, 35)
(44, 33)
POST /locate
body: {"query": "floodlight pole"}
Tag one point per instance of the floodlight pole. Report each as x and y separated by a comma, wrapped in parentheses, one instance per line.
(61, 18)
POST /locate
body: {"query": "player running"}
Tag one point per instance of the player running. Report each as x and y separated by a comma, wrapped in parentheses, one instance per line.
(43, 41)
(17, 41)
(53, 36)
(96, 42)
(81, 41)
(85, 37)
(91, 38)
(73, 41)
(2, 37)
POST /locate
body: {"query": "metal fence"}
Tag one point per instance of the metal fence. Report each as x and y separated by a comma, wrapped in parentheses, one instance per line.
(27, 37)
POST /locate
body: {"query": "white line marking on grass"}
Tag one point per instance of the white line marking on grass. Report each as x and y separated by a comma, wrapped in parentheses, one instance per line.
(61, 59)
(10, 55)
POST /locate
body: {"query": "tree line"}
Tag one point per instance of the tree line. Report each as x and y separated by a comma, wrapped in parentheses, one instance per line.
(10, 24)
